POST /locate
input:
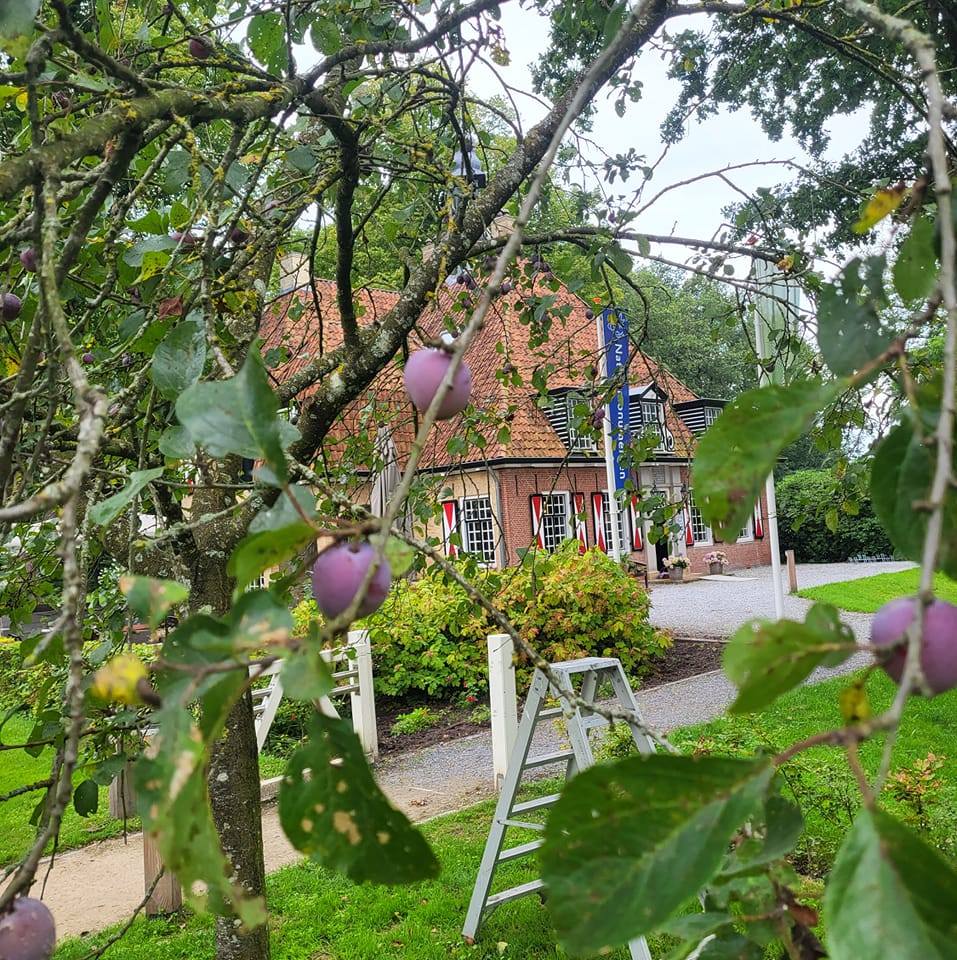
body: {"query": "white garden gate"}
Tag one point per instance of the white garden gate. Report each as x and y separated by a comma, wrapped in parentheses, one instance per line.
(352, 673)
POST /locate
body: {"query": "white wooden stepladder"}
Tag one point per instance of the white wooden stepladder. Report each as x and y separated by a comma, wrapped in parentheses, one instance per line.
(589, 672)
(352, 673)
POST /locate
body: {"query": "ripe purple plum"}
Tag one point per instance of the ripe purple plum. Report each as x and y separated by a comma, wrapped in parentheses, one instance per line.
(938, 656)
(28, 258)
(27, 931)
(10, 306)
(186, 239)
(589, 314)
(425, 370)
(338, 573)
(88, 357)
(200, 48)
(63, 100)
(239, 236)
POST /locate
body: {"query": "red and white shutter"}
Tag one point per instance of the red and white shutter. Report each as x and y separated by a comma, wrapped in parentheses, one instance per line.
(581, 528)
(538, 502)
(450, 526)
(636, 540)
(758, 521)
(598, 512)
(689, 532)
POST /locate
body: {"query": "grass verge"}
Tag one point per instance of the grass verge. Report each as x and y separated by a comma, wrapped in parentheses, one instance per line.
(871, 593)
(316, 915)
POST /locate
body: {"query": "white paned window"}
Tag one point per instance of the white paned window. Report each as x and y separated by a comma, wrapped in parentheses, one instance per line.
(651, 418)
(710, 415)
(699, 529)
(555, 526)
(478, 528)
(606, 523)
(576, 440)
(747, 534)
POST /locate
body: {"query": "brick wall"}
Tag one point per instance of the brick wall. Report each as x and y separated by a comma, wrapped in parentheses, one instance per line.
(756, 553)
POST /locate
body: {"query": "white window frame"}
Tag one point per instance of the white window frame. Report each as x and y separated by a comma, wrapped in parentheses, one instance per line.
(576, 440)
(565, 497)
(710, 415)
(747, 534)
(694, 512)
(658, 423)
(464, 531)
(622, 525)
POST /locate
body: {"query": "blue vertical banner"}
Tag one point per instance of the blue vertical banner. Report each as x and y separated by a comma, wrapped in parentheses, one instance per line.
(613, 329)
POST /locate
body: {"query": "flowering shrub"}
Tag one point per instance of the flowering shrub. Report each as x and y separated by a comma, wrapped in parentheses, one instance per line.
(716, 556)
(429, 636)
(677, 560)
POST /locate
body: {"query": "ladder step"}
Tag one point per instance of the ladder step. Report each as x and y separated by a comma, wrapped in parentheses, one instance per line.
(262, 692)
(595, 720)
(535, 804)
(522, 850)
(522, 824)
(546, 758)
(513, 893)
(549, 713)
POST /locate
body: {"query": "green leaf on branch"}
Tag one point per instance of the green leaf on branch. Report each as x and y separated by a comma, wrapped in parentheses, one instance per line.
(106, 511)
(628, 844)
(179, 359)
(915, 271)
(239, 416)
(16, 25)
(171, 793)
(783, 826)
(267, 41)
(331, 809)
(306, 675)
(86, 798)
(890, 894)
(901, 479)
(739, 450)
(152, 599)
(176, 443)
(766, 658)
(850, 327)
(267, 549)
(283, 513)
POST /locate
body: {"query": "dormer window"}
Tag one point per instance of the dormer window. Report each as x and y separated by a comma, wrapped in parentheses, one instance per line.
(652, 417)
(710, 415)
(577, 411)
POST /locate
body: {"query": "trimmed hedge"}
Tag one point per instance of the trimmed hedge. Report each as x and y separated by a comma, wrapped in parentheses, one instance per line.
(805, 498)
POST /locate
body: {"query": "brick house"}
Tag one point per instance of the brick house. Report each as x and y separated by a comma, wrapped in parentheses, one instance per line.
(543, 482)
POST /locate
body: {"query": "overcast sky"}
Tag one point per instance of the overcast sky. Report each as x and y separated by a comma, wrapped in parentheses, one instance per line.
(724, 139)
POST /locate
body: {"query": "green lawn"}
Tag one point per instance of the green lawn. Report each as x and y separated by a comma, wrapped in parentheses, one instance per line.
(319, 916)
(17, 769)
(871, 593)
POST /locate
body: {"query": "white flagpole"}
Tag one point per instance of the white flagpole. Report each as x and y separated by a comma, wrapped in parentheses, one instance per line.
(761, 347)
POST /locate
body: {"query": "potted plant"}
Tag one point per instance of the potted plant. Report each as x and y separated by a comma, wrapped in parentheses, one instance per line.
(716, 561)
(677, 564)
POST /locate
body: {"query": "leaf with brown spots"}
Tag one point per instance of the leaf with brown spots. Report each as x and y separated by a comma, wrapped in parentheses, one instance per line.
(331, 809)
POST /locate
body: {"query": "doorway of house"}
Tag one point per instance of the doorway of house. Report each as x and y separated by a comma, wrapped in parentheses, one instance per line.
(661, 553)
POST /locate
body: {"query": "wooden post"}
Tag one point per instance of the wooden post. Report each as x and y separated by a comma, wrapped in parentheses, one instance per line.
(363, 701)
(503, 703)
(792, 571)
(168, 895)
(122, 796)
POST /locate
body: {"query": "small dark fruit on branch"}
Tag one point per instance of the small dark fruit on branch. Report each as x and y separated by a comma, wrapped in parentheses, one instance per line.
(186, 239)
(589, 314)
(239, 236)
(338, 573)
(425, 370)
(28, 258)
(200, 48)
(938, 656)
(27, 931)
(88, 357)
(10, 306)
(62, 100)
(507, 286)
(127, 359)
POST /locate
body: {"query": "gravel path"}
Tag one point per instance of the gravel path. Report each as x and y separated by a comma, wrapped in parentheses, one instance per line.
(716, 608)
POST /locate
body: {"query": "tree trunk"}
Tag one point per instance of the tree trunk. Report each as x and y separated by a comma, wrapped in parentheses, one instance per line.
(234, 793)
(234, 783)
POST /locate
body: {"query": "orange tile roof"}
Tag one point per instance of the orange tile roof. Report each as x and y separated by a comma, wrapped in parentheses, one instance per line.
(307, 328)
